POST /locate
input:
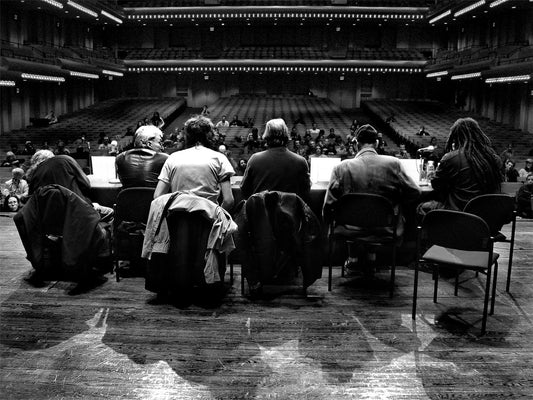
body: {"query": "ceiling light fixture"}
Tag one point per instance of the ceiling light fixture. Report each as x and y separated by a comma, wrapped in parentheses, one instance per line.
(53, 3)
(83, 75)
(435, 74)
(82, 8)
(466, 76)
(42, 77)
(469, 8)
(504, 79)
(111, 16)
(114, 73)
(440, 16)
(7, 83)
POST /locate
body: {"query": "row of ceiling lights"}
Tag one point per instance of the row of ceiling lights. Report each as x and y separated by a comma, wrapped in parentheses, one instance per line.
(272, 15)
(468, 8)
(83, 9)
(472, 75)
(274, 69)
(60, 79)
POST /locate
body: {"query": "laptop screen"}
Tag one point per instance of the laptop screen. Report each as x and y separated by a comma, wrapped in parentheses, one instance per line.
(321, 168)
(412, 168)
(104, 167)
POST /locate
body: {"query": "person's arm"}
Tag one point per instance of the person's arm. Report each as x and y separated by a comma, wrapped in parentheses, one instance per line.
(227, 195)
(333, 193)
(247, 181)
(161, 189)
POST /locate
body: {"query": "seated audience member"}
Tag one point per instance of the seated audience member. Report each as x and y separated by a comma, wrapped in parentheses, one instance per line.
(82, 145)
(381, 145)
(332, 134)
(403, 153)
(276, 168)
(354, 126)
(431, 152)
(47, 169)
(61, 149)
(528, 168)
(205, 111)
(51, 117)
(241, 167)
(422, 131)
(321, 135)
(156, 120)
(469, 168)
(313, 131)
(113, 148)
(318, 152)
(129, 132)
(236, 121)
(17, 186)
(524, 198)
(295, 136)
(369, 172)
(105, 145)
(507, 154)
(11, 204)
(511, 174)
(11, 160)
(29, 149)
(223, 123)
(198, 169)
(142, 165)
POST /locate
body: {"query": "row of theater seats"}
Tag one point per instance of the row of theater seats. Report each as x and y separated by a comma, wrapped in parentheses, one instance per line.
(108, 118)
(275, 52)
(437, 118)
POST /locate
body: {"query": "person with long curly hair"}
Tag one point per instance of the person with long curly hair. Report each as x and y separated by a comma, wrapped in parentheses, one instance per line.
(469, 168)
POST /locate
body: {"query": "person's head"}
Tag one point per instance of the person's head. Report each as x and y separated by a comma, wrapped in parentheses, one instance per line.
(37, 159)
(11, 203)
(243, 163)
(529, 164)
(222, 149)
(106, 140)
(276, 133)
(198, 130)
(433, 141)
(10, 156)
(235, 117)
(318, 151)
(148, 137)
(466, 136)
(366, 136)
(61, 145)
(402, 148)
(223, 118)
(509, 164)
(156, 114)
(529, 178)
(313, 125)
(17, 174)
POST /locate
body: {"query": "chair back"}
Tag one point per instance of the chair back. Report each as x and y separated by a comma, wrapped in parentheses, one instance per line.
(456, 230)
(364, 210)
(133, 204)
(495, 209)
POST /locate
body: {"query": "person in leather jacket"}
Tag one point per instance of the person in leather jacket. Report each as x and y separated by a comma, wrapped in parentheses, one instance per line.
(141, 165)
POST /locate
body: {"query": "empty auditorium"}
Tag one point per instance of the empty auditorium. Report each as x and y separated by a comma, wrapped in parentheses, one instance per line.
(266, 199)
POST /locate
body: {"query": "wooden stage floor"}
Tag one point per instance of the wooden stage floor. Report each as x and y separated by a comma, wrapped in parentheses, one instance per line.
(353, 343)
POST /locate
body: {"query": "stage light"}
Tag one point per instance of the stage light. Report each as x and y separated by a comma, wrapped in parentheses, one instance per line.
(53, 3)
(111, 16)
(505, 79)
(466, 76)
(469, 8)
(38, 77)
(440, 16)
(435, 74)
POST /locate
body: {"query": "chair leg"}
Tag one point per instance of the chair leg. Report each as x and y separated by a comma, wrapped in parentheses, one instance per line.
(231, 274)
(494, 281)
(436, 283)
(330, 267)
(393, 270)
(415, 291)
(117, 273)
(511, 250)
(486, 302)
(456, 290)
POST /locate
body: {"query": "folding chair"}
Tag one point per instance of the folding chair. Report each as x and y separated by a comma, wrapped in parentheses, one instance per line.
(496, 210)
(369, 219)
(456, 240)
(131, 212)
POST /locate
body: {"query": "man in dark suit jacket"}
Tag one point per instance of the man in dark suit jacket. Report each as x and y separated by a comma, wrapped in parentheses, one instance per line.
(276, 168)
(141, 165)
(369, 172)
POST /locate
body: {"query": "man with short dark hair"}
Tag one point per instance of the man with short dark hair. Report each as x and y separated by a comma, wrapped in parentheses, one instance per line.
(141, 165)
(369, 172)
(276, 168)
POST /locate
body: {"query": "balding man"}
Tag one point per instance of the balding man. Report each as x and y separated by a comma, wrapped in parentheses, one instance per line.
(141, 165)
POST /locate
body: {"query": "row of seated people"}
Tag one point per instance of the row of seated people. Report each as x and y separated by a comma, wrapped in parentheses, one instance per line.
(198, 179)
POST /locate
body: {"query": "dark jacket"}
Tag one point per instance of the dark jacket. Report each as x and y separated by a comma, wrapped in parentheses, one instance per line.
(277, 169)
(56, 210)
(455, 183)
(140, 167)
(278, 230)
